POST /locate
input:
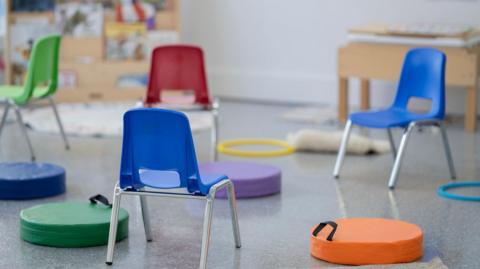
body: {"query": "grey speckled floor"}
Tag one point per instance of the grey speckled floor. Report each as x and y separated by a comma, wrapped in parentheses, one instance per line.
(274, 229)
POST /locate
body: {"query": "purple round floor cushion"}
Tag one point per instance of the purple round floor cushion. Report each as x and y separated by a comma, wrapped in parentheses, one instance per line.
(249, 179)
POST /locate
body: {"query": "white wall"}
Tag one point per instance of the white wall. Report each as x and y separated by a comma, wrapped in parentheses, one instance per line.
(286, 50)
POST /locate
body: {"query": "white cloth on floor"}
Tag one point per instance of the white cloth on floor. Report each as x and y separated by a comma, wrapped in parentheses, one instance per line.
(323, 141)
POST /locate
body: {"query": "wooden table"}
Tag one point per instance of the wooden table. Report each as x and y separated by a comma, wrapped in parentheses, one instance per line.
(368, 61)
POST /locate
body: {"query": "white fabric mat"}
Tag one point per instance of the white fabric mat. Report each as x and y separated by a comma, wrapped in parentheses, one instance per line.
(323, 141)
(97, 119)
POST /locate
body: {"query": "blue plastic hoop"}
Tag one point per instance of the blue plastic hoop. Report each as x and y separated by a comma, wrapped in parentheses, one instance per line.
(442, 191)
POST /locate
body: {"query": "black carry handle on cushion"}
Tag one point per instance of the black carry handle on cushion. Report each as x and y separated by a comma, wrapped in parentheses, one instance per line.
(323, 225)
(100, 198)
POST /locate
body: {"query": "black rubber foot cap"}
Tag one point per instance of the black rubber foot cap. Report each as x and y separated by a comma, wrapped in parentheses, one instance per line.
(149, 240)
(109, 263)
(336, 177)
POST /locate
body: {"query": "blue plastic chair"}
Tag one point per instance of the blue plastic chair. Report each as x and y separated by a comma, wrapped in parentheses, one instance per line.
(158, 154)
(423, 76)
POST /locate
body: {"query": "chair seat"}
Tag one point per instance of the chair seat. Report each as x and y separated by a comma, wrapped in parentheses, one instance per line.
(208, 180)
(171, 180)
(387, 118)
(160, 179)
(13, 92)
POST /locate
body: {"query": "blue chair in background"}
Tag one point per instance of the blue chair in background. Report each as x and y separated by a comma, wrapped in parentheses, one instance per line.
(423, 76)
(158, 154)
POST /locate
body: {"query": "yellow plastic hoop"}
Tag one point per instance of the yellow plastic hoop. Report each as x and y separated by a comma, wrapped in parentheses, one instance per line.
(226, 148)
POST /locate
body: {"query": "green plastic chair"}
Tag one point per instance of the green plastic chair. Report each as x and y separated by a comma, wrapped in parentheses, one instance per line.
(41, 83)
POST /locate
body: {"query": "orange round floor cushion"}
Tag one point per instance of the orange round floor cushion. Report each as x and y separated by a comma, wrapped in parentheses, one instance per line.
(361, 241)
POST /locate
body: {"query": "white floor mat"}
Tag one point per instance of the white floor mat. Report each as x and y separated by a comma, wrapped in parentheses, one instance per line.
(323, 141)
(96, 119)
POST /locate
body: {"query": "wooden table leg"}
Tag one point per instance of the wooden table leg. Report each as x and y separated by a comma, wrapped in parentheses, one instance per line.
(364, 94)
(342, 99)
(471, 109)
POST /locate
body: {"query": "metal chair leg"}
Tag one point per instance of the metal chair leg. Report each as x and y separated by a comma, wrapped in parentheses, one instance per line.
(233, 211)
(146, 218)
(398, 159)
(4, 117)
(343, 149)
(112, 234)
(24, 130)
(214, 131)
(448, 152)
(60, 125)
(207, 227)
(392, 143)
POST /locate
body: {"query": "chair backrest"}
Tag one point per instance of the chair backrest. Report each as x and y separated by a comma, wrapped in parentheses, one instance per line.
(42, 67)
(157, 139)
(177, 67)
(423, 76)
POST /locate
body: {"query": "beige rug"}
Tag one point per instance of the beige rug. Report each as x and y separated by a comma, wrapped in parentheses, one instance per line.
(97, 119)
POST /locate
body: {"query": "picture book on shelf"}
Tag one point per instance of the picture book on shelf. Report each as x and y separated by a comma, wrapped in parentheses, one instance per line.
(23, 36)
(79, 19)
(3, 18)
(132, 81)
(125, 41)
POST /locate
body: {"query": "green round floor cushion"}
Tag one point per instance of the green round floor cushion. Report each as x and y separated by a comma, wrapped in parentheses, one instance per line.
(70, 224)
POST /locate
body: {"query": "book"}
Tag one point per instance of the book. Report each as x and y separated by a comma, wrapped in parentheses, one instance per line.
(125, 41)
(160, 37)
(79, 19)
(132, 81)
(23, 37)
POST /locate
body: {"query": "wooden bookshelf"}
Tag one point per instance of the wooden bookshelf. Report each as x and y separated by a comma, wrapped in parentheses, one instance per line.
(96, 77)
(97, 81)
(16, 16)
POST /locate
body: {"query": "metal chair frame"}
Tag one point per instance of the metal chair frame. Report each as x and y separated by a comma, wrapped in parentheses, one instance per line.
(397, 155)
(9, 103)
(207, 221)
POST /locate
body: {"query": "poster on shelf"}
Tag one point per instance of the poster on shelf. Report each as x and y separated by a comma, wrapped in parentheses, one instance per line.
(160, 37)
(79, 19)
(3, 42)
(125, 41)
(22, 37)
(128, 11)
(158, 4)
(3, 18)
(67, 79)
(126, 81)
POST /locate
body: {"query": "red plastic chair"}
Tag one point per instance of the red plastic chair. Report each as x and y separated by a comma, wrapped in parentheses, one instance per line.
(181, 67)
(177, 67)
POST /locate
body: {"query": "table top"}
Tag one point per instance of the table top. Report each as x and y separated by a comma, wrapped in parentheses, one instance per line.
(417, 30)
(417, 34)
